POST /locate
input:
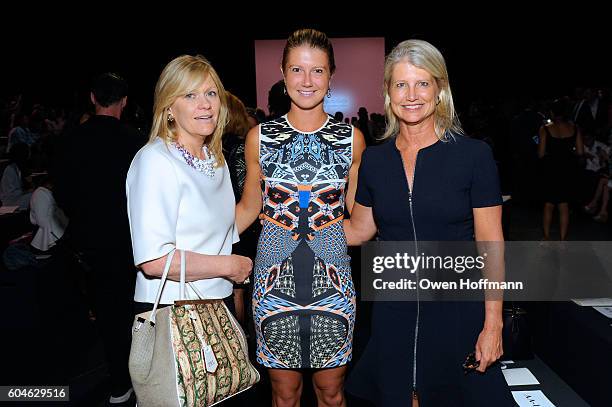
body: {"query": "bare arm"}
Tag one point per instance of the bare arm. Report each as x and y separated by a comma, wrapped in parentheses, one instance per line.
(488, 228)
(358, 147)
(361, 226)
(579, 143)
(201, 266)
(250, 203)
(542, 143)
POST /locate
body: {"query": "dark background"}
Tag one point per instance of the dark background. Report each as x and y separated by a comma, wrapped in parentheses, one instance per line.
(493, 54)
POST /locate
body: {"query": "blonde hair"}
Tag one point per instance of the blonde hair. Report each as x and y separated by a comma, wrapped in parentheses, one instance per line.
(181, 76)
(425, 56)
(238, 117)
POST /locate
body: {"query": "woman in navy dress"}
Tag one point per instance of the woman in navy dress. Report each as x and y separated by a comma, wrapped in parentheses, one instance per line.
(427, 182)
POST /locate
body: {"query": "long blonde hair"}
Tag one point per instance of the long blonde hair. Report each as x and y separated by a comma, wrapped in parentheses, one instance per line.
(179, 77)
(425, 56)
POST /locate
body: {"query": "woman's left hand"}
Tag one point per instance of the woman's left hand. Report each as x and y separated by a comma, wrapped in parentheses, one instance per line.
(488, 347)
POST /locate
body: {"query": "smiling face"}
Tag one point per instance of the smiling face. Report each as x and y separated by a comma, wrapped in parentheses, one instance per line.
(196, 113)
(307, 75)
(413, 94)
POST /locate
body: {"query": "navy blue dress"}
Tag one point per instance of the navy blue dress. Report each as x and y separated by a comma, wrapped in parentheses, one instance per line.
(451, 178)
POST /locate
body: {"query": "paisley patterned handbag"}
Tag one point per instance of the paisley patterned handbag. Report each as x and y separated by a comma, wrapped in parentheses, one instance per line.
(193, 353)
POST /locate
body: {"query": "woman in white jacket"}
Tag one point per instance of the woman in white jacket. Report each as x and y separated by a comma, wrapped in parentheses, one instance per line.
(179, 191)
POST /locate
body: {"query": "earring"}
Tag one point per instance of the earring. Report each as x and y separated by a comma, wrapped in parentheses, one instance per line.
(284, 89)
(328, 92)
(438, 101)
(170, 118)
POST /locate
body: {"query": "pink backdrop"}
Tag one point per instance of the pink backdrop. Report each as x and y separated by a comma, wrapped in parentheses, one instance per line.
(357, 81)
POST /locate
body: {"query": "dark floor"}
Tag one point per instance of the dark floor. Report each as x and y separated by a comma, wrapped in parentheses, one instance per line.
(48, 338)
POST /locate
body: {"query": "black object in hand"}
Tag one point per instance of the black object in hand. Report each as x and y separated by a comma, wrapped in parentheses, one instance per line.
(470, 363)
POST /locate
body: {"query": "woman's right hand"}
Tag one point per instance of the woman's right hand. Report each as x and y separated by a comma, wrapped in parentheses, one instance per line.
(238, 268)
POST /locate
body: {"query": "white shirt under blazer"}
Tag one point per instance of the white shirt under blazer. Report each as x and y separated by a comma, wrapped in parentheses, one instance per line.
(172, 205)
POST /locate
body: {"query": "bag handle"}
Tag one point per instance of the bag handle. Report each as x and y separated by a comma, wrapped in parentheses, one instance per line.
(182, 276)
(162, 282)
(182, 283)
(182, 280)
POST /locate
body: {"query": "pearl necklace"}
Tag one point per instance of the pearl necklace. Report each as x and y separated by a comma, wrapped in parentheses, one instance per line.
(206, 166)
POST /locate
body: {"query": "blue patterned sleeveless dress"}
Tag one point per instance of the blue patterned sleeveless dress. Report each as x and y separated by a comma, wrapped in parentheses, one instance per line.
(303, 298)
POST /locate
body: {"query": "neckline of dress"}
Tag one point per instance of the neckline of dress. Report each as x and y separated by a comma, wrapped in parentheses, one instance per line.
(435, 143)
(306, 132)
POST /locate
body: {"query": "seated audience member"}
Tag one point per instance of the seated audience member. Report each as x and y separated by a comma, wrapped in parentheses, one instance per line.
(45, 214)
(13, 191)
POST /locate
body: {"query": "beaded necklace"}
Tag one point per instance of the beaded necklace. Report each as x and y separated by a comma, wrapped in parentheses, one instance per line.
(206, 166)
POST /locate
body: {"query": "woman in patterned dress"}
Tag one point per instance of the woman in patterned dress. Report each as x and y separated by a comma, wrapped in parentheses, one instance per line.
(298, 171)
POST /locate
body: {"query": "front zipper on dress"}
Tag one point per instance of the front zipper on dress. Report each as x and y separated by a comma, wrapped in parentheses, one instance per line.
(416, 252)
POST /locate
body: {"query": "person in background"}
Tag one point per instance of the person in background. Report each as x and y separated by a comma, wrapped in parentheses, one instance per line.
(559, 149)
(278, 100)
(22, 132)
(252, 117)
(90, 167)
(596, 157)
(15, 187)
(45, 214)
